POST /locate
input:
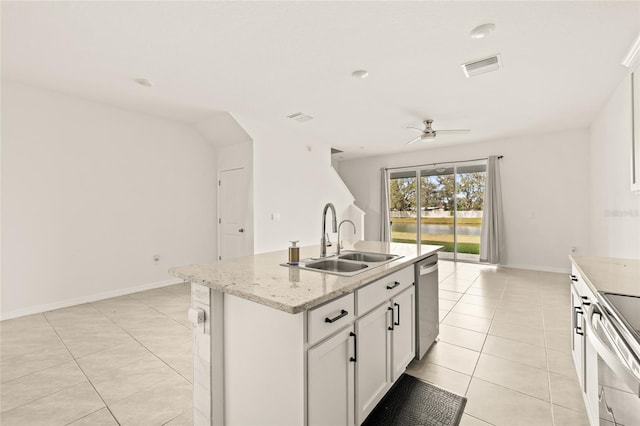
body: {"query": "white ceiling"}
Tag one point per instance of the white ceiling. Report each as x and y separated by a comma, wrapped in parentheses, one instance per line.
(266, 60)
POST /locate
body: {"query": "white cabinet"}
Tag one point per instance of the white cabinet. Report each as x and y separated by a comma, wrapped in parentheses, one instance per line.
(350, 367)
(329, 318)
(373, 375)
(386, 345)
(403, 334)
(330, 386)
(577, 331)
(584, 355)
(635, 131)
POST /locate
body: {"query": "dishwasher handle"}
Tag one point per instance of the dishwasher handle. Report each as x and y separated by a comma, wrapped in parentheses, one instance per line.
(428, 268)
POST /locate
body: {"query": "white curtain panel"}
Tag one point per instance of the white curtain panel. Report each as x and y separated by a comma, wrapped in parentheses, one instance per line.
(385, 229)
(492, 231)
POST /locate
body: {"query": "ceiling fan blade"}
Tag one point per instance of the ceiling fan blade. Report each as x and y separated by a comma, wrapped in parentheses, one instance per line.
(417, 138)
(415, 128)
(453, 132)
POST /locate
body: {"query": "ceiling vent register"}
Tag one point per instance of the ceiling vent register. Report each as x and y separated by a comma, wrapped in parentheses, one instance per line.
(481, 66)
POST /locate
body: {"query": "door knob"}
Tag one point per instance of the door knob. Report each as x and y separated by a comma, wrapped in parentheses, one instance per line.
(241, 230)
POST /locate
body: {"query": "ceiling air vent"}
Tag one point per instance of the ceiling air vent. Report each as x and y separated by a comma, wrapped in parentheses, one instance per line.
(473, 68)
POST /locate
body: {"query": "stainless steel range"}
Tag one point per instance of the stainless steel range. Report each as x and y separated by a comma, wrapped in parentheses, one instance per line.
(613, 328)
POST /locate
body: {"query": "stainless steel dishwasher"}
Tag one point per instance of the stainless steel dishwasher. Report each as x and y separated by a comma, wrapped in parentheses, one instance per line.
(427, 313)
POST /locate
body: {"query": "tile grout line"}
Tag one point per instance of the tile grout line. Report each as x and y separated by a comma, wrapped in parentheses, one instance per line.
(544, 330)
(33, 352)
(484, 341)
(546, 355)
(83, 372)
(150, 351)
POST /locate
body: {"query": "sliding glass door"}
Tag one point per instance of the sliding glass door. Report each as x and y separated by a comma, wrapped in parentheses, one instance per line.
(437, 221)
(444, 209)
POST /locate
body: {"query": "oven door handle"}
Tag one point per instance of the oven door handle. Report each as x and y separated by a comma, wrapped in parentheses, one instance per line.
(607, 348)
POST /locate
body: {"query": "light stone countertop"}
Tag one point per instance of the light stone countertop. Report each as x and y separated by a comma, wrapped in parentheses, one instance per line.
(262, 279)
(611, 275)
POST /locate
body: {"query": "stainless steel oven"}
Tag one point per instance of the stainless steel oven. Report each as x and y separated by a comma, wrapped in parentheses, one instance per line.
(613, 329)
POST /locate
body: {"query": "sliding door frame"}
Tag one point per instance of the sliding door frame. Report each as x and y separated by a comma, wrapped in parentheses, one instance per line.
(417, 172)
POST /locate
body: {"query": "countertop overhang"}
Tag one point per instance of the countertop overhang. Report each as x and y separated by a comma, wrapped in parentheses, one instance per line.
(610, 275)
(261, 278)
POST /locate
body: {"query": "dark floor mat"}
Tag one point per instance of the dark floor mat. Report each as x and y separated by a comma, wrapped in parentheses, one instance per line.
(412, 402)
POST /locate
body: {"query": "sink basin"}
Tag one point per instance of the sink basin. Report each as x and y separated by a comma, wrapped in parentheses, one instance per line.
(335, 265)
(367, 257)
(347, 264)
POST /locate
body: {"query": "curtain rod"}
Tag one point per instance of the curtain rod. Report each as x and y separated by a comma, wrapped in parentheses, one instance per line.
(436, 164)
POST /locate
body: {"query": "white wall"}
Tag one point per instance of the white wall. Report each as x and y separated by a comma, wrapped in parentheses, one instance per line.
(614, 209)
(293, 179)
(545, 192)
(90, 193)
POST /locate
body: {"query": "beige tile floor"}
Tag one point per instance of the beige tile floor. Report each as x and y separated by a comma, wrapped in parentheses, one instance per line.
(504, 343)
(125, 360)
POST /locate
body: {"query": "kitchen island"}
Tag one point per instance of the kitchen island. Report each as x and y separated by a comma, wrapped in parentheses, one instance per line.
(288, 346)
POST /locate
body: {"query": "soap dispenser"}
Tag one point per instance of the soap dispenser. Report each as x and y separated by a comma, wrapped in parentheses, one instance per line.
(294, 253)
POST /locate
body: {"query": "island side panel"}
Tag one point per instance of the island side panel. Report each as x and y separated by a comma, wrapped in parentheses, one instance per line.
(264, 364)
(208, 400)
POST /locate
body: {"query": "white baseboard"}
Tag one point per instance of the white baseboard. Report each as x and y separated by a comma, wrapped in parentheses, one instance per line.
(539, 268)
(86, 299)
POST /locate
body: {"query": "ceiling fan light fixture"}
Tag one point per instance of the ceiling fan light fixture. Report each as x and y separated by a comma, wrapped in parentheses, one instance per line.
(428, 136)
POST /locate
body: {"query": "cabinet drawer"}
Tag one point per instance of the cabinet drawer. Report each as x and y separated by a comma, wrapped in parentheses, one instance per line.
(383, 289)
(326, 319)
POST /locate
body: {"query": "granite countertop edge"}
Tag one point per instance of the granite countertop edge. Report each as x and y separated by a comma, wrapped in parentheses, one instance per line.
(622, 275)
(277, 299)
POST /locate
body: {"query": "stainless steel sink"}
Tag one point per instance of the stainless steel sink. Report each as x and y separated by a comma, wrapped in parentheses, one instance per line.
(347, 264)
(360, 256)
(336, 265)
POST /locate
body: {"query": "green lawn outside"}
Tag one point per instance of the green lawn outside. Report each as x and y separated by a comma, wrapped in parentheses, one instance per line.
(469, 248)
(466, 243)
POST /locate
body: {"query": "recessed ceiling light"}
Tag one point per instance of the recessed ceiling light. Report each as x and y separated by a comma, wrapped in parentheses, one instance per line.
(481, 31)
(360, 74)
(300, 117)
(143, 82)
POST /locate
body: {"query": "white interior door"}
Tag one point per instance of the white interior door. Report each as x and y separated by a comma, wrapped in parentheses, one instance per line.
(233, 191)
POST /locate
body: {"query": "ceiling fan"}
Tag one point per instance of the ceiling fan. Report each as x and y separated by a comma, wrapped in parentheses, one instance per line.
(429, 133)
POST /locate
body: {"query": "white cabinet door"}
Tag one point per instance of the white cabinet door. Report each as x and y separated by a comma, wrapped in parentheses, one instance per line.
(373, 376)
(403, 335)
(577, 334)
(330, 384)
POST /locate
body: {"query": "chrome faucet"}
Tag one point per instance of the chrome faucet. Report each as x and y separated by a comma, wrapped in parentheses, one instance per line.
(323, 241)
(339, 226)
